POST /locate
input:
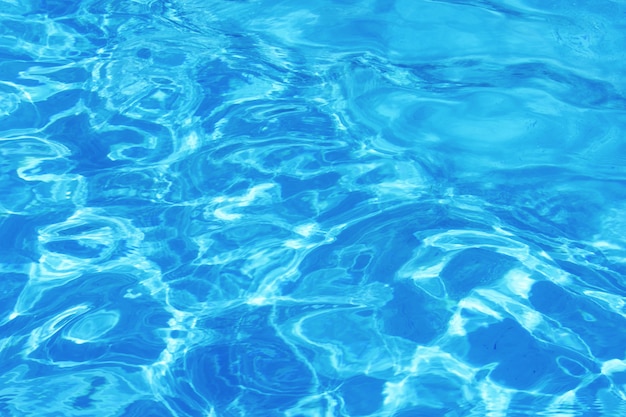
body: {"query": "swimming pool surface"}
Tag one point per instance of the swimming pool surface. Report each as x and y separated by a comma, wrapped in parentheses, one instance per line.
(354, 208)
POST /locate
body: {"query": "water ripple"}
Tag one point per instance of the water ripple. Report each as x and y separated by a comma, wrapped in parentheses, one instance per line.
(351, 208)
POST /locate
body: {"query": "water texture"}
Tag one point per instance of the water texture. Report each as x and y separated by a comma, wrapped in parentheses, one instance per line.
(312, 209)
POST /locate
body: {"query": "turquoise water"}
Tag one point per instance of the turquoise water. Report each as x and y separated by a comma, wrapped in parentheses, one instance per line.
(312, 209)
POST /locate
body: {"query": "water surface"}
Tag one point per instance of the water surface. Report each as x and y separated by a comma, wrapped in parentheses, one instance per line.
(344, 208)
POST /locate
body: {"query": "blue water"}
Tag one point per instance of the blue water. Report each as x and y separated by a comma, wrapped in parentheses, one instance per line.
(312, 209)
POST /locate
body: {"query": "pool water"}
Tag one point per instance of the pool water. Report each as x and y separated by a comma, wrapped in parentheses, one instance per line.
(312, 209)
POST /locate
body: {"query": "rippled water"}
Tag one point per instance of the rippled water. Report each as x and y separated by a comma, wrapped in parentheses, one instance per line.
(343, 208)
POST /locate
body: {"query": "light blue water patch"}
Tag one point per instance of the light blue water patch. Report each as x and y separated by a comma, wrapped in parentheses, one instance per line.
(347, 208)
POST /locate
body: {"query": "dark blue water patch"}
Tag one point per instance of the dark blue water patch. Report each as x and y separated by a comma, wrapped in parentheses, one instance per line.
(218, 155)
(58, 349)
(201, 289)
(137, 152)
(496, 187)
(140, 343)
(215, 78)
(267, 366)
(578, 214)
(424, 411)
(55, 8)
(60, 101)
(261, 405)
(362, 395)
(144, 53)
(558, 209)
(125, 191)
(147, 408)
(619, 378)
(25, 116)
(179, 246)
(345, 204)
(202, 281)
(147, 127)
(530, 222)
(224, 324)
(90, 31)
(92, 151)
(26, 30)
(5, 406)
(76, 248)
(212, 371)
(572, 367)
(205, 176)
(575, 215)
(69, 75)
(413, 315)
(187, 391)
(299, 128)
(361, 262)
(522, 361)
(296, 120)
(303, 203)
(379, 175)
(18, 327)
(182, 406)
(185, 250)
(12, 285)
(13, 350)
(171, 59)
(320, 258)
(395, 248)
(569, 87)
(85, 401)
(13, 62)
(135, 348)
(390, 234)
(189, 271)
(609, 279)
(474, 268)
(18, 243)
(230, 238)
(211, 112)
(174, 255)
(591, 322)
(75, 133)
(564, 84)
(222, 282)
(35, 370)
